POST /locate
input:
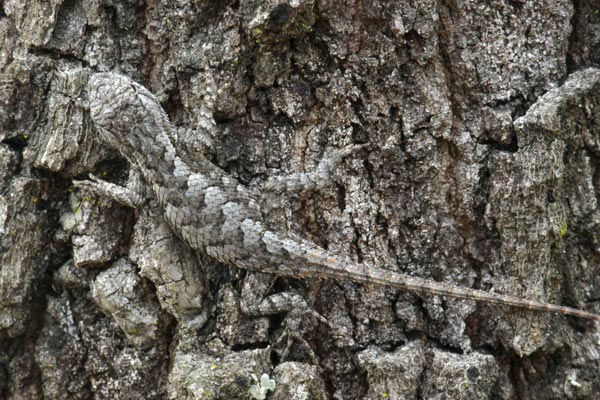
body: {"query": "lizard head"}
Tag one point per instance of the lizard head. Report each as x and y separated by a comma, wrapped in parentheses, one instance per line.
(129, 118)
(113, 104)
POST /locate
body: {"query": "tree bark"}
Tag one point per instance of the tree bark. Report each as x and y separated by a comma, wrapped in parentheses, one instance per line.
(482, 124)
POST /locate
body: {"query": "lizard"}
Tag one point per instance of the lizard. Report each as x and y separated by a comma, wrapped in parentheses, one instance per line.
(214, 214)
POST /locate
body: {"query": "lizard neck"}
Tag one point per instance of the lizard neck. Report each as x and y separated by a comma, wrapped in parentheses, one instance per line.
(157, 159)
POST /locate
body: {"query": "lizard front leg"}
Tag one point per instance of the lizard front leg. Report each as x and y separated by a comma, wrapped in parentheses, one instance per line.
(132, 195)
(318, 179)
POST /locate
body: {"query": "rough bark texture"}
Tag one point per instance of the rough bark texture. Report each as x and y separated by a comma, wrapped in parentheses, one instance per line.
(483, 124)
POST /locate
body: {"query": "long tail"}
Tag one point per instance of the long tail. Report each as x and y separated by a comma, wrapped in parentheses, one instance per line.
(311, 260)
(427, 287)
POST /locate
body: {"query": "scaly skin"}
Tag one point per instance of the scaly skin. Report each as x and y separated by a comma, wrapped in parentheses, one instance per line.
(216, 215)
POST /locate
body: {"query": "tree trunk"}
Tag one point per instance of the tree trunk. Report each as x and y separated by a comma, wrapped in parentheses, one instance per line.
(481, 168)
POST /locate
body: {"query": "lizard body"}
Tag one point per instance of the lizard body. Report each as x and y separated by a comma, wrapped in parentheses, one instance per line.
(216, 215)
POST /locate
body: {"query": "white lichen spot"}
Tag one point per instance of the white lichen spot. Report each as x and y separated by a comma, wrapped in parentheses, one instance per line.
(259, 390)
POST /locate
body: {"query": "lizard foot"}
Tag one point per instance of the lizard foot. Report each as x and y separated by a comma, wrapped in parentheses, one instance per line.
(292, 331)
(131, 195)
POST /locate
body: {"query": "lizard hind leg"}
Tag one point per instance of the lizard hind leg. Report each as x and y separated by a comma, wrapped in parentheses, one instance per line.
(256, 302)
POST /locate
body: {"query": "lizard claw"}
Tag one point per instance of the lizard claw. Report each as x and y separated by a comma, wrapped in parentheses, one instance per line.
(94, 178)
(292, 329)
(291, 332)
(86, 184)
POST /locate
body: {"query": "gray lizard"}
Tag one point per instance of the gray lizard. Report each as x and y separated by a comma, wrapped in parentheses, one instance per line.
(218, 216)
